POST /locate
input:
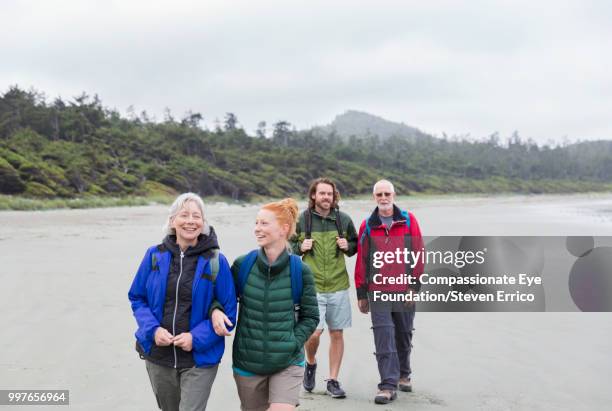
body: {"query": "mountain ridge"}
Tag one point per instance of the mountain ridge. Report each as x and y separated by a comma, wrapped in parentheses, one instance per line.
(360, 123)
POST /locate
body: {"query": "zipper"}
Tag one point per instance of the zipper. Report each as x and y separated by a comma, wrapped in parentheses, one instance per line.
(324, 221)
(265, 313)
(388, 229)
(178, 280)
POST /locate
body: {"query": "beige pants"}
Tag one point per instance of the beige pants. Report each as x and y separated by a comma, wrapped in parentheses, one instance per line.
(258, 392)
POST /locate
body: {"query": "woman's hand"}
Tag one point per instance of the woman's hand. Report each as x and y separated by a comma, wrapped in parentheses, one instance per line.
(162, 337)
(219, 321)
(184, 341)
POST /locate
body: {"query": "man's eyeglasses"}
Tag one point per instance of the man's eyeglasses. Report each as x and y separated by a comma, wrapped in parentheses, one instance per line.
(383, 195)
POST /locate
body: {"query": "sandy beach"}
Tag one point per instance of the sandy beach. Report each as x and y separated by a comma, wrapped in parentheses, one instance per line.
(67, 322)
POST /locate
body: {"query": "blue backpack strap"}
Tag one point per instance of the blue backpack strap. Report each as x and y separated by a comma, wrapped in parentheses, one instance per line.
(297, 285)
(366, 232)
(296, 279)
(407, 217)
(245, 269)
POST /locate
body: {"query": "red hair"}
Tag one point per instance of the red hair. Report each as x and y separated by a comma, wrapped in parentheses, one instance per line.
(285, 211)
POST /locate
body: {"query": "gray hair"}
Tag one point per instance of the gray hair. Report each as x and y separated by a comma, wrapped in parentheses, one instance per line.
(382, 182)
(176, 208)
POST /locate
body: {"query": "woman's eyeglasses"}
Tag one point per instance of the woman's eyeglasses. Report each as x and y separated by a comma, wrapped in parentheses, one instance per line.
(383, 194)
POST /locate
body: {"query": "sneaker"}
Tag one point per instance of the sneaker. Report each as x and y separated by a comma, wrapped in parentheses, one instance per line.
(385, 396)
(309, 376)
(405, 384)
(334, 389)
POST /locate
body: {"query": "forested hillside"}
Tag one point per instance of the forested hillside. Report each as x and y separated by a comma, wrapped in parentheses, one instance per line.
(80, 148)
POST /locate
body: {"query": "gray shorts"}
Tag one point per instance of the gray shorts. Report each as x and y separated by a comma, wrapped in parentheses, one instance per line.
(335, 310)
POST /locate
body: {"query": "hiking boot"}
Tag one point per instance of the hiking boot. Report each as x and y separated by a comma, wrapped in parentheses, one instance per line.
(385, 396)
(405, 384)
(334, 389)
(309, 376)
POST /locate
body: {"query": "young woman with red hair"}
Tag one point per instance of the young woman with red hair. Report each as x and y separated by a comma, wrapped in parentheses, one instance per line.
(268, 353)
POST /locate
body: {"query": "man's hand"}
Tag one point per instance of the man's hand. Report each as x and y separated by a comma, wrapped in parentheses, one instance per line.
(409, 298)
(364, 305)
(342, 243)
(184, 341)
(219, 320)
(162, 337)
(306, 245)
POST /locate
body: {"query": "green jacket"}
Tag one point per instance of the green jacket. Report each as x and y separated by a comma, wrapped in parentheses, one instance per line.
(326, 263)
(268, 339)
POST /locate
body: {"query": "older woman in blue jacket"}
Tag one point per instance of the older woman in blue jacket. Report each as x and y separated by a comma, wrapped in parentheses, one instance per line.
(172, 299)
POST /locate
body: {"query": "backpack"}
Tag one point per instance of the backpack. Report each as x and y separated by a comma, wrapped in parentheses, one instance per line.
(295, 268)
(214, 262)
(308, 227)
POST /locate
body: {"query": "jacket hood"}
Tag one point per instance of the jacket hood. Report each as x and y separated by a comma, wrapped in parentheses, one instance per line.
(204, 246)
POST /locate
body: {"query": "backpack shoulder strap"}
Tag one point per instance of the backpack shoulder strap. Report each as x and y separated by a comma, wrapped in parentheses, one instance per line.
(307, 223)
(367, 230)
(245, 269)
(297, 285)
(339, 224)
(155, 260)
(156, 256)
(214, 265)
(338, 221)
(407, 217)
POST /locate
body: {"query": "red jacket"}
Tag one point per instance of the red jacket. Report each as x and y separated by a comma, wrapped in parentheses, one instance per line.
(404, 233)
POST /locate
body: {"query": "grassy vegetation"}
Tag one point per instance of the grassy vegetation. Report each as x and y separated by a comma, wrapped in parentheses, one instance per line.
(8, 202)
(79, 154)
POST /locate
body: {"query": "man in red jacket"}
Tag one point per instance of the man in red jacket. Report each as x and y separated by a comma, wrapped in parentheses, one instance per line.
(389, 264)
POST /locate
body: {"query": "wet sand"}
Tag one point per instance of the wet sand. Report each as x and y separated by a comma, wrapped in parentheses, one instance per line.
(67, 323)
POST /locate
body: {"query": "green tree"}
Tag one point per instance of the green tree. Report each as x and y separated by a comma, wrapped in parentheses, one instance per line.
(231, 122)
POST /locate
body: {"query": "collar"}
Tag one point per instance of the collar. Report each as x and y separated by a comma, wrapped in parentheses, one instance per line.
(330, 216)
(278, 266)
(204, 245)
(375, 221)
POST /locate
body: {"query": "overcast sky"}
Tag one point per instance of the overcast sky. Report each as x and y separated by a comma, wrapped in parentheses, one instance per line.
(540, 67)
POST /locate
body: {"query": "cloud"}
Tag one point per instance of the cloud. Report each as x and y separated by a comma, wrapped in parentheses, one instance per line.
(456, 67)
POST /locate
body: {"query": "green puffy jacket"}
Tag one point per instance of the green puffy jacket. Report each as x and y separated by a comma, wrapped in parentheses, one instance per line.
(268, 339)
(326, 263)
